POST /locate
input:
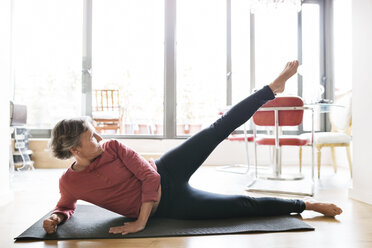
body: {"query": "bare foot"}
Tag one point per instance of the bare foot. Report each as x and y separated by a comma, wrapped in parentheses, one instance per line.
(328, 209)
(279, 83)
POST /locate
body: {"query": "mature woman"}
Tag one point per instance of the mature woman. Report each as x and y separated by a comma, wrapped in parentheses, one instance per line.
(113, 176)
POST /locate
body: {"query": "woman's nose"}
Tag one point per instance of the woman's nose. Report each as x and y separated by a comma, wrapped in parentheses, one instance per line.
(98, 137)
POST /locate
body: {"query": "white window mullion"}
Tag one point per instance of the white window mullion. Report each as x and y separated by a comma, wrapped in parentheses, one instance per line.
(170, 70)
(252, 52)
(86, 106)
(228, 54)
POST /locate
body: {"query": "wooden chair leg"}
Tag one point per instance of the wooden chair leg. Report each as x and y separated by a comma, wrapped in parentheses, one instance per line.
(349, 159)
(300, 159)
(334, 159)
(319, 160)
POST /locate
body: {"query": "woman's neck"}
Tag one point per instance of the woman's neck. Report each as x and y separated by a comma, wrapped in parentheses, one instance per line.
(81, 164)
(77, 167)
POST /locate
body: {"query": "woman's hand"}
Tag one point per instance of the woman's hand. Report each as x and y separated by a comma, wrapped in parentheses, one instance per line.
(50, 224)
(128, 227)
(139, 224)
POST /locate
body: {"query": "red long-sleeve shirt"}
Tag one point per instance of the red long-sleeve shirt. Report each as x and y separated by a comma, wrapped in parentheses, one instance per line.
(119, 180)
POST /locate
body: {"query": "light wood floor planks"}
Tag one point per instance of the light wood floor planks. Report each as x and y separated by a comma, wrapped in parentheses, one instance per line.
(37, 192)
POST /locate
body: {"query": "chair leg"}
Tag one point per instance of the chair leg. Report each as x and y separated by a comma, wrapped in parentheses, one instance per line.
(349, 159)
(255, 160)
(300, 159)
(334, 158)
(319, 161)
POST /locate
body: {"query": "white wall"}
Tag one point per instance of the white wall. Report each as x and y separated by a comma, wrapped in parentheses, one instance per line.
(362, 100)
(5, 194)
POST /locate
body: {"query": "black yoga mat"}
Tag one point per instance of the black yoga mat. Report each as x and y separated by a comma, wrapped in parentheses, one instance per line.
(92, 222)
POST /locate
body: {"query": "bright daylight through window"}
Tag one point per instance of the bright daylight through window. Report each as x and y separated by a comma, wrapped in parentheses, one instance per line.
(128, 60)
(47, 43)
(128, 56)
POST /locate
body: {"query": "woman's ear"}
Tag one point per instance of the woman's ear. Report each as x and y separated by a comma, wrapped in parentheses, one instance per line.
(74, 152)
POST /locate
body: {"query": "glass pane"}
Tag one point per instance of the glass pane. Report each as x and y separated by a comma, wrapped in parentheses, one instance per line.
(342, 46)
(47, 50)
(276, 39)
(201, 63)
(310, 68)
(128, 56)
(240, 49)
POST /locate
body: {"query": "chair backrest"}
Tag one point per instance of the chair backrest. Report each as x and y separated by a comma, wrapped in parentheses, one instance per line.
(106, 100)
(340, 117)
(286, 117)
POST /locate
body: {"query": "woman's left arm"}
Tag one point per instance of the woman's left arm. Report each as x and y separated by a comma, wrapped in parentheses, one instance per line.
(150, 187)
(139, 224)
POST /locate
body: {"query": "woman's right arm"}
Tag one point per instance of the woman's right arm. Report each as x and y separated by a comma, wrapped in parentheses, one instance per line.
(62, 212)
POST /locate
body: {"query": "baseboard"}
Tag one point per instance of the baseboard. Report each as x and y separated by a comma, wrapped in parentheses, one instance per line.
(361, 195)
(6, 197)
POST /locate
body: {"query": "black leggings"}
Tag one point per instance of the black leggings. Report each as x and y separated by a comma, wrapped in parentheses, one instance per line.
(180, 200)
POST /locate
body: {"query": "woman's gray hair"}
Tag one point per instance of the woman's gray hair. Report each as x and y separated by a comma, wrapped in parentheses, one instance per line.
(66, 134)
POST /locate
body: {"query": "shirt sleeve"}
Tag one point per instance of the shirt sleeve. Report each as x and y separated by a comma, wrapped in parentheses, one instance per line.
(66, 204)
(141, 169)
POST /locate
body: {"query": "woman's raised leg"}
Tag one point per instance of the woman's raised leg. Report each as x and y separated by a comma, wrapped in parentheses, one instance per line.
(182, 161)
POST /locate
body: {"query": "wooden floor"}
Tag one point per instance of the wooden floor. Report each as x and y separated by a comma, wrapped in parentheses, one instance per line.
(36, 193)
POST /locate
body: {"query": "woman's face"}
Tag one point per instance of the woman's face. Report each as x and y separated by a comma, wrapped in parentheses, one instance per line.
(90, 148)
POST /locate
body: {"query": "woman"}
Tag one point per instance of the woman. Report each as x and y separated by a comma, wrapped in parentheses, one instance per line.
(115, 177)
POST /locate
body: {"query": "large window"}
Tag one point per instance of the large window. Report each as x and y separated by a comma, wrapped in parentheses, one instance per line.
(223, 49)
(276, 42)
(128, 55)
(310, 69)
(342, 46)
(47, 45)
(240, 49)
(201, 63)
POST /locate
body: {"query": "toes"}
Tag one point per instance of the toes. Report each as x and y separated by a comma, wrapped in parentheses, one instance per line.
(295, 63)
(336, 209)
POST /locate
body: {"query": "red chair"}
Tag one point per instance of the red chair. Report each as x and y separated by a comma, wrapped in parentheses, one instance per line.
(240, 137)
(280, 112)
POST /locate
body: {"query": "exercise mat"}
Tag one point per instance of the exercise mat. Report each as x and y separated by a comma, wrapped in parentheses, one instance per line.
(92, 222)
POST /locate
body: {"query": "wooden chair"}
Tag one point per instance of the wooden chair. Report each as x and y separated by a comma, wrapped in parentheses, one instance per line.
(107, 113)
(340, 135)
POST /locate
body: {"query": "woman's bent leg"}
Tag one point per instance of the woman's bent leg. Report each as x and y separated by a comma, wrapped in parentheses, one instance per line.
(185, 159)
